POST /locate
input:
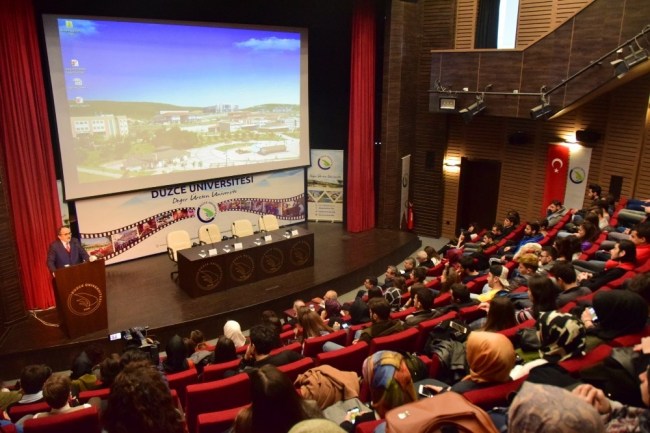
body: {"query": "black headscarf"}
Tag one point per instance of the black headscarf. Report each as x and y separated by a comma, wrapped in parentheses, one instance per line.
(176, 356)
(620, 312)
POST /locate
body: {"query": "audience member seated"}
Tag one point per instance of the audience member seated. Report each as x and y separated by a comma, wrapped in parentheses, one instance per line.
(460, 298)
(561, 337)
(641, 285)
(330, 295)
(490, 357)
(432, 255)
(199, 341)
(623, 260)
(528, 265)
(358, 310)
(467, 269)
(542, 292)
(109, 368)
(382, 324)
(275, 404)
(270, 317)
(409, 264)
(224, 351)
(177, 355)
(296, 305)
(497, 281)
(531, 235)
(312, 325)
(423, 302)
(423, 259)
(56, 393)
(32, 379)
(549, 409)
(565, 276)
(640, 237)
(232, 330)
(389, 276)
(393, 294)
(87, 361)
(140, 402)
(547, 259)
(500, 315)
(263, 340)
(334, 315)
(388, 378)
(554, 213)
(587, 233)
(617, 313)
(568, 249)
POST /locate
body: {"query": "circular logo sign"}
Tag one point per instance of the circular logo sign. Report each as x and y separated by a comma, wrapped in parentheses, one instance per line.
(242, 267)
(272, 260)
(577, 175)
(300, 253)
(206, 212)
(209, 276)
(85, 299)
(325, 162)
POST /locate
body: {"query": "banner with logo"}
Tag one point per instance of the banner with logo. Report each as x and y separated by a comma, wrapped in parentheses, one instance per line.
(129, 226)
(404, 194)
(576, 185)
(325, 186)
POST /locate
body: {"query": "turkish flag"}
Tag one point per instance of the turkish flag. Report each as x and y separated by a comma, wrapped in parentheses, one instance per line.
(557, 166)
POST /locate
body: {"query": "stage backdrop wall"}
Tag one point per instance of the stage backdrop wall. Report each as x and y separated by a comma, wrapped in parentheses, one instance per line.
(128, 226)
(325, 186)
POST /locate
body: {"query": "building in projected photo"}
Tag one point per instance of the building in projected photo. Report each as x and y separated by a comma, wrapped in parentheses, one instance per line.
(107, 125)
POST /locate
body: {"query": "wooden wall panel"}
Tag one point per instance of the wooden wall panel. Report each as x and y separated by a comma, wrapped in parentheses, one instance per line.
(466, 12)
(642, 189)
(538, 18)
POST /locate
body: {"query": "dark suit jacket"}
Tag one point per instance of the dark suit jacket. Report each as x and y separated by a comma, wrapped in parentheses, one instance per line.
(58, 257)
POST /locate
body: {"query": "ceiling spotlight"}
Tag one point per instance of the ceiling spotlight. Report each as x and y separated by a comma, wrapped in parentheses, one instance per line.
(471, 111)
(542, 111)
(622, 66)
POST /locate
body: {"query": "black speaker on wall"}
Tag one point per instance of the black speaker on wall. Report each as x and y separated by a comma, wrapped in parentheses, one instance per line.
(587, 136)
(616, 186)
(518, 138)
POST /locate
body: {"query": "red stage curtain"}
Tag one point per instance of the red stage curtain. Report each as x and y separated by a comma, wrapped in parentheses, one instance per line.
(360, 178)
(27, 149)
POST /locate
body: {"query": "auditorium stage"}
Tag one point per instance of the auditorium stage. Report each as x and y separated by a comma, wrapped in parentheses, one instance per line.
(141, 293)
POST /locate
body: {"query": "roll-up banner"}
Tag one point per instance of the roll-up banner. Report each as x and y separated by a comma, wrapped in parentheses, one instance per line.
(325, 186)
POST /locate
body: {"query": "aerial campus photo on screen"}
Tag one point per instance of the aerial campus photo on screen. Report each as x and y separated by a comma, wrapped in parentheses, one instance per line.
(142, 103)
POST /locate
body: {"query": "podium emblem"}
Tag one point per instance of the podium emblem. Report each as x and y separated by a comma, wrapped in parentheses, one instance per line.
(272, 260)
(242, 267)
(300, 253)
(209, 276)
(85, 299)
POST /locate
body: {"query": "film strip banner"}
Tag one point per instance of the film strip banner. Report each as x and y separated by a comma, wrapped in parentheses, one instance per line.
(110, 244)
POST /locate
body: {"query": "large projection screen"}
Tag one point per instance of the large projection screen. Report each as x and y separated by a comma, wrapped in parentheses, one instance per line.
(142, 104)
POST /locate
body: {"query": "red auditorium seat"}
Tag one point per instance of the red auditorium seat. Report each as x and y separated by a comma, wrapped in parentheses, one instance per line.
(313, 346)
(295, 346)
(293, 369)
(84, 420)
(179, 381)
(442, 300)
(436, 270)
(215, 371)
(630, 339)
(217, 422)
(102, 393)
(287, 336)
(433, 284)
(471, 313)
(511, 333)
(18, 411)
(618, 283)
(401, 315)
(403, 341)
(353, 330)
(215, 396)
(425, 327)
(575, 365)
(242, 349)
(368, 426)
(493, 396)
(349, 358)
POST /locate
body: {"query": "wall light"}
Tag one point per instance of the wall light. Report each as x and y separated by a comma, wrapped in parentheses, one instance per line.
(447, 103)
(474, 109)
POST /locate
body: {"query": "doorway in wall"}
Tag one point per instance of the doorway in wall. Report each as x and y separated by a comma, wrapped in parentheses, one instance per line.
(478, 192)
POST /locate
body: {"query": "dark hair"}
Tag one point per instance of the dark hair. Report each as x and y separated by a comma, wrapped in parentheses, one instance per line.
(431, 252)
(467, 262)
(567, 246)
(269, 317)
(643, 231)
(140, 401)
(489, 235)
(565, 271)
(197, 337)
(501, 315)
(399, 282)
(534, 226)
(629, 248)
(513, 217)
(425, 296)
(591, 231)
(498, 226)
(264, 338)
(595, 188)
(109, 368)
(420, 273)
(56, 390)
(556, 203)
(411, 260)
(451, 277)
(224, 350)
(312, 325)
(134, 355)
(639, 284)
(33, 377)
(371, 280)
(460, 293)
(543, 224)
(544, 293)
(269, 386)
(550, 250)
(176, 360)
(380, 307)
(496, 270)
(375, 292)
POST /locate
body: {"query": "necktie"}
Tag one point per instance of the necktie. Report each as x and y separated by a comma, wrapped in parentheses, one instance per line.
(67, 246)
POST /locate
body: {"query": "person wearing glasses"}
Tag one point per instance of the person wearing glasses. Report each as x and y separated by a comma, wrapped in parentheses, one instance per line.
(65, 251)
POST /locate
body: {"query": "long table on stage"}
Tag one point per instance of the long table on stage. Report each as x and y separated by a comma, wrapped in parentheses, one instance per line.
(200, 273)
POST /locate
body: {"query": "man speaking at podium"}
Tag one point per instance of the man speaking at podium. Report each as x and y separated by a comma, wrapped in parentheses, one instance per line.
(66, 251)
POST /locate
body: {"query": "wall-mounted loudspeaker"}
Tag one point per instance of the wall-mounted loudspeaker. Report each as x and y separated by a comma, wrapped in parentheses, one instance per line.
(430, 160)
(518, 138)
(587, 136)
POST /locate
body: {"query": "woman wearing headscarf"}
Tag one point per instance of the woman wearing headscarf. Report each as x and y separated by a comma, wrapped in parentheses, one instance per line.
(176, 360)
(561, 337)
(490, 357)
(549, 409)
(617, 313)
(232, 330)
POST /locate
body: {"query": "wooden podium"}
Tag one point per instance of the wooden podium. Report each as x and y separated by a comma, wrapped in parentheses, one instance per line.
(80, 293)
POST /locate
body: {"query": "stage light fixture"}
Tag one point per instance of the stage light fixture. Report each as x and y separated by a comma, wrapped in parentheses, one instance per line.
(447, 103)
(471, 111)
(623, 66)
(542, 111)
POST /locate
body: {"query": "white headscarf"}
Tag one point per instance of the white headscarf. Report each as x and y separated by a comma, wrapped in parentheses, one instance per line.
(232, 330)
